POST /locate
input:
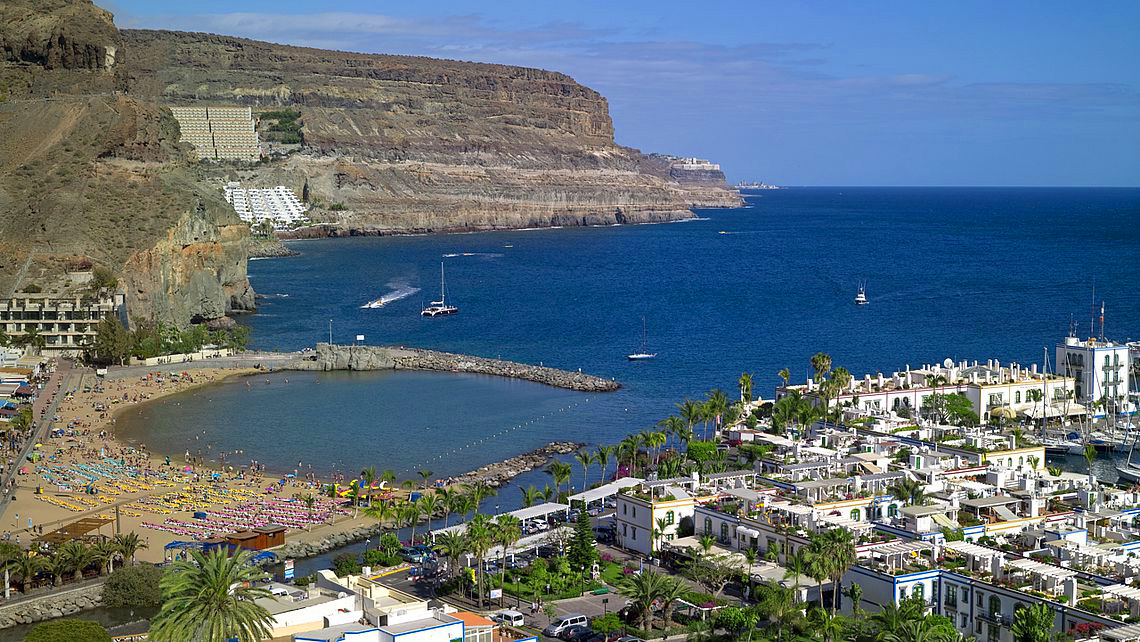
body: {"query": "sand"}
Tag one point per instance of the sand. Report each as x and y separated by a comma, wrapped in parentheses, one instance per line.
(134, 487)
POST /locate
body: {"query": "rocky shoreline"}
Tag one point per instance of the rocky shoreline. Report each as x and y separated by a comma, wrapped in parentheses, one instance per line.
(51, 606)
(336, 357)
(500, 472)
(269, 249)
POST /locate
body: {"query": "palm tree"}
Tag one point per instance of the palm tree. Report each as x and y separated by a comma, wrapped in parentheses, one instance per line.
(78, 556)
(750, 556)
(785, 375)
(382, 512)
(925, 629)
(452, 545)
(746, 387)
(659, 533)
(388, 476)
(797, 566)
(480, 536)
(211, 598)
(445, 503)
(1090, 456)
(841, 552)
(821, 364)
(460, 504)
(128, 544)
(429, 506)
(778, 605)
(547, 493)
(717, 405)
(507, 531)
(584, 459)
(58, 565)
(672, 425)
(642, 590)
(368, 476)
(425, 474)
(9, 553)
(707, 542)
(530, 496)
(628, 449)
(910, 491)
(602, 455)
(1033, 623)
(891, 617)
(27, 565)
(310, 502)
(560, 471)
(690, 412)
(825, 624)
(671, 590)
(410, 512)
(103, 553)
(819, 560)
(855, 592)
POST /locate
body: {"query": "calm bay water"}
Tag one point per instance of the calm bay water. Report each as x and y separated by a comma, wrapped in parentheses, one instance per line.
(963, 273)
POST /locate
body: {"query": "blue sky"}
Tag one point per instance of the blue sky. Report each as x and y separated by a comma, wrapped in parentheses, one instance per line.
(798, 93)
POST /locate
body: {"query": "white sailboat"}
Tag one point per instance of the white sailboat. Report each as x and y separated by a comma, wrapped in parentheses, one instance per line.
(643, 355)
(440, 308)
(861, 296)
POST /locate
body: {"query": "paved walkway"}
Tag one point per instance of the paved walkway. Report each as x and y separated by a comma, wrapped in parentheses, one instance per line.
(44, 410)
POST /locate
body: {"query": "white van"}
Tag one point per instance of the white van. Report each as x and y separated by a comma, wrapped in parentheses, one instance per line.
(511, 618)
(563, 623)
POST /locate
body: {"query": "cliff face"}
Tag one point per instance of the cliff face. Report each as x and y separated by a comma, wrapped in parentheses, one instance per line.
(419, 144)
(87, 174)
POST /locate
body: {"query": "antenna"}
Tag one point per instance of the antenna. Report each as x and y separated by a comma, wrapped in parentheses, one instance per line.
(1092, 310)
(1102, 320)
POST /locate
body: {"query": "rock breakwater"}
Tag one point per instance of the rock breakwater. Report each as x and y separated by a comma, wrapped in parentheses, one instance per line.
(51, 606)
(500, 472)
(336, 357)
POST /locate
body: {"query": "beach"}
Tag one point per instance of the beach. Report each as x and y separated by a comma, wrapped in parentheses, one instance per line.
(83, 471)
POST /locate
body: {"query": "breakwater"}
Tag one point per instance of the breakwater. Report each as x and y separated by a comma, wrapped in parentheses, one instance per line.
(351, 357)
(500, 472)
(51, 605)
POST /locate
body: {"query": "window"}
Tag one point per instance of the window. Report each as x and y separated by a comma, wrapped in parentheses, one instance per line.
(724, 531)
(669, 517)
(965, 621)
(1020, 461)
(633, 533)
(918, 591)
(669, 537)
(708, 526)
(625, 530)
(892, 510)
(855, 514)
(995, 606)
(625, 509)
(634, 511)
(1017, 397)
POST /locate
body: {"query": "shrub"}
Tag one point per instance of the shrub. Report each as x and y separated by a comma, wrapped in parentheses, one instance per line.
(33, 289)
(133, 587)
(68, 630)
(345, 564)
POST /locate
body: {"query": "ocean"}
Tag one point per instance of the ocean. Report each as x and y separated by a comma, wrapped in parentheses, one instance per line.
(964, 273)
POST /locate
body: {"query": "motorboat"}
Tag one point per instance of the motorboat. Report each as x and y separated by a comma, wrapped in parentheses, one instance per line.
(861, 296)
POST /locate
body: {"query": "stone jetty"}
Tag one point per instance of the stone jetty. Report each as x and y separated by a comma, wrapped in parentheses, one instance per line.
(54, 604)
(498, 473)
(353, 357)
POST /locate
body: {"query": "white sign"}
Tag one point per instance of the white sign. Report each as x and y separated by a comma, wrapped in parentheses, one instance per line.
(360, 337)
(496, 593)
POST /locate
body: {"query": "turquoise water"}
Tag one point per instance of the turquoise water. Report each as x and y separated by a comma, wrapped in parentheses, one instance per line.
(963, 273)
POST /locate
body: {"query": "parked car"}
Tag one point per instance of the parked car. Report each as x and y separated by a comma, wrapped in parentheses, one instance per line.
(565, 622)
(575, 633)
(413, 556)
(512, 618)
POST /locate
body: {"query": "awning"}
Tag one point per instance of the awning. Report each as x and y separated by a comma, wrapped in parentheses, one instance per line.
(1003, 411)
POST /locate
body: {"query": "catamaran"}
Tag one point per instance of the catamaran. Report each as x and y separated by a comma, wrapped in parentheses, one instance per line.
(641, 356)
(440, 308)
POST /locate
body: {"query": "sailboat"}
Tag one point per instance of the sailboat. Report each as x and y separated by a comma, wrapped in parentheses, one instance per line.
(643, 355)
(861, 296)
(440, 308)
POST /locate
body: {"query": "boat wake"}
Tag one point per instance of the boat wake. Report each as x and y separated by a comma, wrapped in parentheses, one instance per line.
(401, 292)
(486, 255)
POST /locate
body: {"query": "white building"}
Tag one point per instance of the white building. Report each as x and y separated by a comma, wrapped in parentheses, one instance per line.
(67, 324)
(278, 205)
(1101, 370)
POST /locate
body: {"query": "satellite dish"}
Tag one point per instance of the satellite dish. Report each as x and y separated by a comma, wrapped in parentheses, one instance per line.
(948, 363)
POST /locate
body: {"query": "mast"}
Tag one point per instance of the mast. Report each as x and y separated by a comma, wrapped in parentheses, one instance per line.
(442, 291)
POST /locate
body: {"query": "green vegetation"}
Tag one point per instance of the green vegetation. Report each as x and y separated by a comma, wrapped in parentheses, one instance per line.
(346, 564)
(68, 630)
(211, 598)
(115, 344)
(133, 587)
(583, 547)
(286, 127)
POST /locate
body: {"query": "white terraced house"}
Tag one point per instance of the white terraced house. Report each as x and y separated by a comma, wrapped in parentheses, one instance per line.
(278, 205)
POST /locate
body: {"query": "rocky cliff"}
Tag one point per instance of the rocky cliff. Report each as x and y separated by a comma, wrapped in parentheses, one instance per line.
(92, 170)
(420, 144)
(89, 174)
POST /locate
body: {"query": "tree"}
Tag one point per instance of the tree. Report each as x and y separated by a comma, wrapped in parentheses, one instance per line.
(735, 620)
(112, 341)
(841, 551)
(785, 375)
(479, 538)
(911, 491)
(9, 553)
(58, 565)
(778, 605)
(560, 471)
(27, 565)
(103, 553)
(584, 459)
(133, 587)
(78, 555)
(452, 545)
(583, 551)
(508, 530)
(710, 572)
(827, 625)
(750, 556)
(211, 598)
(1090, 456)
(425, 474)
(68, 630)
(128, 544)
(602, 456)
(642, 589)
(671, 590)
(345, 564)
(607, 624)
(892, 617)
(530, 496)
(855, 592)
(746, 387)
(1033, 623)
(690, 412)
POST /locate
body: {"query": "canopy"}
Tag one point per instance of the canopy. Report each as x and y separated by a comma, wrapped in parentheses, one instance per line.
(1003, 411)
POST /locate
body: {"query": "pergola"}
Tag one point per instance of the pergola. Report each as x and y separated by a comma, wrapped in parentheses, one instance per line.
(531, 512)
(604, 491)
(894, 554)
(978, 558)
(74, 530)
(1130, 595)
(1126, 633)
(1046, 577)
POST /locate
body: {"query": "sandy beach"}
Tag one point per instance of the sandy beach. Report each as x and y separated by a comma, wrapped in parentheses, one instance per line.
(83, 471)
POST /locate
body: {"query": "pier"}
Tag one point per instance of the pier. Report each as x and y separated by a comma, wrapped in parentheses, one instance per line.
(359, 357)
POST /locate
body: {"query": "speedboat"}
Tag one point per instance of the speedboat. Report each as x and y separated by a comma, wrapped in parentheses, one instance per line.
(861, 296)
